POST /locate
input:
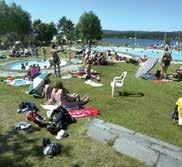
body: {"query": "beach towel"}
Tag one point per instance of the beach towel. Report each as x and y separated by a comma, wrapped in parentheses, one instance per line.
(92, 83)
(162, 81)
(18, 82)
(85, 112)
(69, 76)
(77, 113)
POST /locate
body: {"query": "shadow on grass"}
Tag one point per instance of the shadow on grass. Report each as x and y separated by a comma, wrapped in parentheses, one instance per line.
(17, 147)
(132, 94)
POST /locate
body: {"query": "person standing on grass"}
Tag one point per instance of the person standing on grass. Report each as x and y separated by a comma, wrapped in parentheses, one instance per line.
(37, 52)
(165, 62)
(44, 53)
(56, 60)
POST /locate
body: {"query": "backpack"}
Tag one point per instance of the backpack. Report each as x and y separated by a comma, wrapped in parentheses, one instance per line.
(61, 117)
(50, 148)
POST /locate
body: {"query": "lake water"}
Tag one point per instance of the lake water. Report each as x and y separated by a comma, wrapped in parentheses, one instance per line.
(140, 42)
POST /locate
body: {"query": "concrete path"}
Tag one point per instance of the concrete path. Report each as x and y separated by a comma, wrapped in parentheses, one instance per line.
(152, 151)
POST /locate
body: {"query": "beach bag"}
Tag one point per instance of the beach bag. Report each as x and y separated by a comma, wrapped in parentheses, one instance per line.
(52, 128)
(22, 126)
(61, 134)
(26, 106)
(50, 148)
(61, 117)
(36, 118)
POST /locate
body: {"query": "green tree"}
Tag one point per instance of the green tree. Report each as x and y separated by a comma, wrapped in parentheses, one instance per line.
(89, 28)
(43, 31)
(66, 26)
(14, 19)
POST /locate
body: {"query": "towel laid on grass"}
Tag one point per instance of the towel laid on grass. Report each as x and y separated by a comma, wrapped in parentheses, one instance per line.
(162, 81)
(18, 82)
(92, 83)
(76, 113)
(69, 76)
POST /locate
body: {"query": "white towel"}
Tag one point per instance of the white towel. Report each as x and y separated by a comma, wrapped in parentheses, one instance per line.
(92, 83)
(49, 107)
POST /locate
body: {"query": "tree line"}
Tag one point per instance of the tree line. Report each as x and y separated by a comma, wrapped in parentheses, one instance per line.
(142, 35)
(16, 25)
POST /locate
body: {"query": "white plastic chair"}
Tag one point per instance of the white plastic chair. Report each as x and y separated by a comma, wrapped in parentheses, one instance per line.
(118, 82)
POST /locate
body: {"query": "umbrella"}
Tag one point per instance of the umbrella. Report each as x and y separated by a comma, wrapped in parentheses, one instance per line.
(38, 82)
(146, 67)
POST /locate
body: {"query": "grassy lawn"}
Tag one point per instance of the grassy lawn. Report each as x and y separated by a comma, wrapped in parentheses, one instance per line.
(148, 114)
(24, 148)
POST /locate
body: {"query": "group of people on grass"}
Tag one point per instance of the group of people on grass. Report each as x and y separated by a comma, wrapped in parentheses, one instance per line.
(33, 51)
(33, 71)
(62, 97)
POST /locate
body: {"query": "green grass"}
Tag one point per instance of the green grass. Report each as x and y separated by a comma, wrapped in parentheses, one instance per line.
(148, 114)
(23, 148)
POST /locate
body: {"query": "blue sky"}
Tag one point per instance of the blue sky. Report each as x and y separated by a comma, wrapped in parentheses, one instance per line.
(148, 15)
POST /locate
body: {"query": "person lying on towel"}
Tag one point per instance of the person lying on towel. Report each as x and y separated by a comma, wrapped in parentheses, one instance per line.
(61, 96)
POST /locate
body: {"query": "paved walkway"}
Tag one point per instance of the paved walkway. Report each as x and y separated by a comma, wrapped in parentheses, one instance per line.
(152, 151)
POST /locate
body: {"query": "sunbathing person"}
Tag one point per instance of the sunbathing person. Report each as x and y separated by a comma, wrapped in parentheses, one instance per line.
(48, 91)
(101, 59)
(178, 74)
(61, 96)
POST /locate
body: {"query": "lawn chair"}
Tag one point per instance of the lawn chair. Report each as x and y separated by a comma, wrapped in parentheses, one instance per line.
(118, 82)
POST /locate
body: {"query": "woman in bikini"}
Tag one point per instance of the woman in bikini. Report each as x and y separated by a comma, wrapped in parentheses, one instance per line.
(62, 97)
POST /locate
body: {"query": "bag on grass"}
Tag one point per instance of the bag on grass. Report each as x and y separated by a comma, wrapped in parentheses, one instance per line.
(36, 118)
(26, 106)
(53, 128)
(50, 148)
(61, 117)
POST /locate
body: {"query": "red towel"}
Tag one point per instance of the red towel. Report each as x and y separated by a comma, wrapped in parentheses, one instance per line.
(85, 112)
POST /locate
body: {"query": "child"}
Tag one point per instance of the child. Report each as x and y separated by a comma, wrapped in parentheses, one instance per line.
(22, 66)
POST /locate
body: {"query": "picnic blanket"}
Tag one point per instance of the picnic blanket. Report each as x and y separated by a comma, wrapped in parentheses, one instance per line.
(93, 83)
(76, 113)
